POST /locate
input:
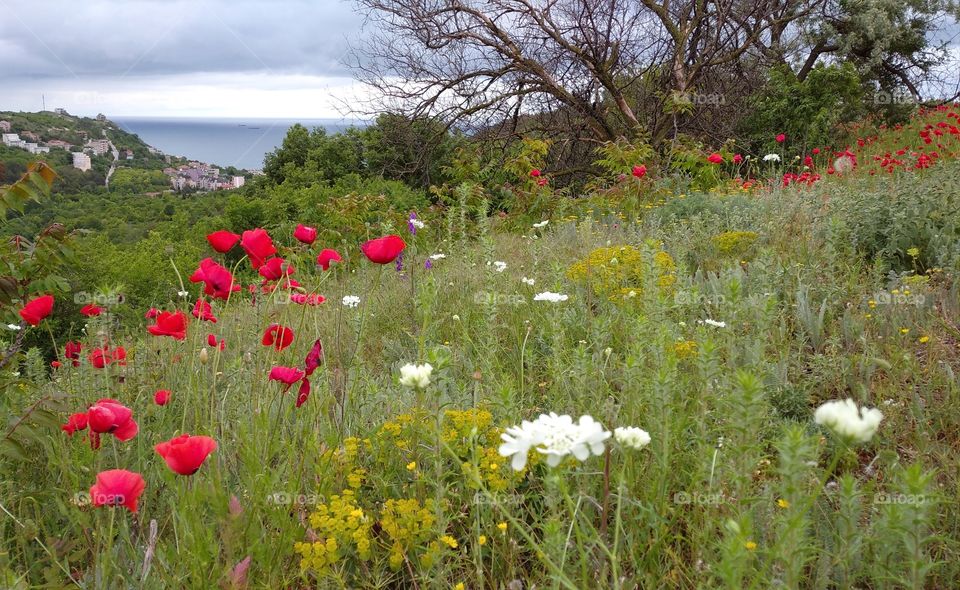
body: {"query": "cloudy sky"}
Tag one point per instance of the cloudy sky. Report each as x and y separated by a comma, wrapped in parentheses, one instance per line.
(226, 58)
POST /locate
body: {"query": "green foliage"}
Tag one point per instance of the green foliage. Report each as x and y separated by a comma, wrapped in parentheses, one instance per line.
(807, 111)
(393, 148)
(134, 181)
(883, 220)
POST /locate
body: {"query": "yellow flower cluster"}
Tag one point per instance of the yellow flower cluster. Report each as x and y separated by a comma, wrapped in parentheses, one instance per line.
(338, 524)
(685, 349)
(736, 244)
(618, 272)
(408, 524)
(400, 430)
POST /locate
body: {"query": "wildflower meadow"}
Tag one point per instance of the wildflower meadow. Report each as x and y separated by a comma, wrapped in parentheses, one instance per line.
(747, 379)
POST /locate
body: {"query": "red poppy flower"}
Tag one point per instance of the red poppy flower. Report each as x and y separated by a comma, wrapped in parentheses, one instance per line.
(185, 454)
(71, 350)
(217, 280)
(737, 158)
(383, 250)
(542, 182)
(101, 357)
(161, 397)
(37, 309)
(117, 487)
(151, 313)
(56, 364)
(304, 392)
(258, 246)
(222, 241)
(535, 173)
(286, 375)
(74, 423)
(214, 343)
(90, 310)
(314, 357)
(816, 151)
(305, 234)
(275, 269)
(715, 158)
(639, 171)
(307, 299)
(120, 355)
(110, 416)
(327, 256)
(277, 336)
(203, 311)
(173, 324)
(781, 138)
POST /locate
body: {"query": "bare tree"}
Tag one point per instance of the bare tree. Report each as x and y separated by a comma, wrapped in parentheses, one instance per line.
(612, 68)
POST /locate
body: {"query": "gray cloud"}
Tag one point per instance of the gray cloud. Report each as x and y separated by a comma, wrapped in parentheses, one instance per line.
(99, 38)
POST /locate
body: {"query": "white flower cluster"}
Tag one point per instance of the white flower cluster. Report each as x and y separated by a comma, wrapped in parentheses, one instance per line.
(499, 265)
(439, 256)
(541, 224)
(771, 158)
(554, 436)
(527, 281)
(715, 323)
(550, 296)
(416, 376)
(845, 419)
(351, 300)
(631, 437)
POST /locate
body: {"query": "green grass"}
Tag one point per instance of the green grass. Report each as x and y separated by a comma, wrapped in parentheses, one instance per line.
(737, 489)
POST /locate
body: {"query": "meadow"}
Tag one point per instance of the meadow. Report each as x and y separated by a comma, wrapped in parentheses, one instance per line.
(689, 337)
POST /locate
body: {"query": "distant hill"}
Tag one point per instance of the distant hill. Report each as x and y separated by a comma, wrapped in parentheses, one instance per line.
(63, 134)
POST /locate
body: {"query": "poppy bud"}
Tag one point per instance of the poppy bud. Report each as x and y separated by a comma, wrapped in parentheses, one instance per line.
(204, 355)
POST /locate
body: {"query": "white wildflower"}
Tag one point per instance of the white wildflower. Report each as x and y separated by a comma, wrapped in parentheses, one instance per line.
(499, 265)
(771, 158)
(417, 223)
(183, 293)
(14, 327)
(351, 300)
(440, 256)
(554, 436)
(417, 376)
(527, 281)
(845, 419)
(541, 224)
(550, 296)
(631, 437)
(715, 323)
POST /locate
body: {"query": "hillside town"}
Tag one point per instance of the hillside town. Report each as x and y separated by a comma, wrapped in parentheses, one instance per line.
(183, 177)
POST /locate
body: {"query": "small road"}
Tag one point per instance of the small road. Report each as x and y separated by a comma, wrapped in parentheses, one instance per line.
(113, 166)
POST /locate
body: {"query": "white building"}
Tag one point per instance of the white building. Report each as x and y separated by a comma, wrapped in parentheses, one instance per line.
(99, 146)
(11, 139)
(81, 161)
(238, 181)
(36, 149)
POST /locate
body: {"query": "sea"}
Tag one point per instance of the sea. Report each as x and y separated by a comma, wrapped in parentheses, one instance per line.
(241, 143)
